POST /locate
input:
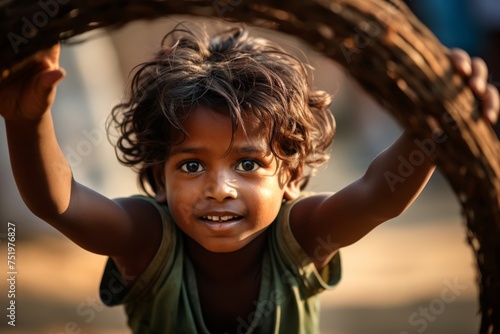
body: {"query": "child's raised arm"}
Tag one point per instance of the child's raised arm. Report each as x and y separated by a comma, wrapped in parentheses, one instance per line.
(391, 183)
(44, 178)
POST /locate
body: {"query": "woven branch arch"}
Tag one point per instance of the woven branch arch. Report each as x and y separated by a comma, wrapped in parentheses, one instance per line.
(380, 43)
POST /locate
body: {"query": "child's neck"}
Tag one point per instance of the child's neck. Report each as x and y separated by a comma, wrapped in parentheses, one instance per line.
(227, 267)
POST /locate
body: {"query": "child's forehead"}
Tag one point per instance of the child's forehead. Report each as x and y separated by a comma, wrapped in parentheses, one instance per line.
(203, 124)
(202, 117)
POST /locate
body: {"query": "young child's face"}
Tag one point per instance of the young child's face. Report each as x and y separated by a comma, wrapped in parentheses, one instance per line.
(223, 199)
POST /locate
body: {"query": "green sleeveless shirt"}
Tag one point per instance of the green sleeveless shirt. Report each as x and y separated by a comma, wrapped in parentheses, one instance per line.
(164, 299)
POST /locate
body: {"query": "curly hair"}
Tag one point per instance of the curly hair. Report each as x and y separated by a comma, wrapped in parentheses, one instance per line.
(230, 73)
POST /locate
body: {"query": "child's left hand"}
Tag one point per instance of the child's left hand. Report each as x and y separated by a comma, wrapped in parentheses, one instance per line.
(476, 70)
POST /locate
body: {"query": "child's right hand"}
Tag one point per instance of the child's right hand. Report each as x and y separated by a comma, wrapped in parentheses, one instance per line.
(30, 92)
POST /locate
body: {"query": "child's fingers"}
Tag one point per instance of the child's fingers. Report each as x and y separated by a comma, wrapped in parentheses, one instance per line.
(48, 79)
(462, 61)
(45, 84)
(479, 76)
(491, 103)
(50, 56)
(40, 93)
(476, 70)
(54, 52)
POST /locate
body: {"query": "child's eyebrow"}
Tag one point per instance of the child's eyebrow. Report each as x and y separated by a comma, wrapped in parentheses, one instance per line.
(187, 150)
(241, 149)
(251, 149)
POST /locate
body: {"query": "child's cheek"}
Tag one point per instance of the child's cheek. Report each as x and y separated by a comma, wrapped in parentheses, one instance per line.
(185, 202)
(182, 213)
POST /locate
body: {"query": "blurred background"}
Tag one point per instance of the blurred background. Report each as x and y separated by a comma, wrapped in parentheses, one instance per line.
(414, 274)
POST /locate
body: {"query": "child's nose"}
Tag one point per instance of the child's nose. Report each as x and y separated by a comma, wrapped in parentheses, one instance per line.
(221, 187)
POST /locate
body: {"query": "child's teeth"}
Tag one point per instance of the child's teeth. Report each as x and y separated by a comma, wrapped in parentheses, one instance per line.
(217, 218)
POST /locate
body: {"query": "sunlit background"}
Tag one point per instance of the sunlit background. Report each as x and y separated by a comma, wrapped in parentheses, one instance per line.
(414, 274)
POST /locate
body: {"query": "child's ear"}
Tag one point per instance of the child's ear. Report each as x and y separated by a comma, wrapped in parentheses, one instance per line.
(292, 189)
(159, 179)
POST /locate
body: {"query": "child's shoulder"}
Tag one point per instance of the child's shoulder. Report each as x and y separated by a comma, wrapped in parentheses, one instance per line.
(142, 207)
(304, 204)
(146, 222)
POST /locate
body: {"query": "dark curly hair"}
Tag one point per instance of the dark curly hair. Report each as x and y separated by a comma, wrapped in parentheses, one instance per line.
(230, 73)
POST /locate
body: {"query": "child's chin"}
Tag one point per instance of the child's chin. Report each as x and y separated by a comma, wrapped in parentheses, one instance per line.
(225, 247)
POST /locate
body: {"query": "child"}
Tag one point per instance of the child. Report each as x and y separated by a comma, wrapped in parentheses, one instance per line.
(224, 133)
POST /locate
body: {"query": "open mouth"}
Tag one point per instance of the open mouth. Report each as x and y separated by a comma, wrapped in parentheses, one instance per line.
(220, 219)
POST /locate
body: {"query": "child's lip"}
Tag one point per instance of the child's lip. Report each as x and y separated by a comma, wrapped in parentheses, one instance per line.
(220, 214)
(220, 225)
(217, 218)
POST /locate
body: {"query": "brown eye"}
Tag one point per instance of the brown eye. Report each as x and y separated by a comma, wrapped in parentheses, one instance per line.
(247, 166)
(192, 167)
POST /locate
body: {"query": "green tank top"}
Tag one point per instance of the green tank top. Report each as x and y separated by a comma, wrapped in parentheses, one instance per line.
(164, 299)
